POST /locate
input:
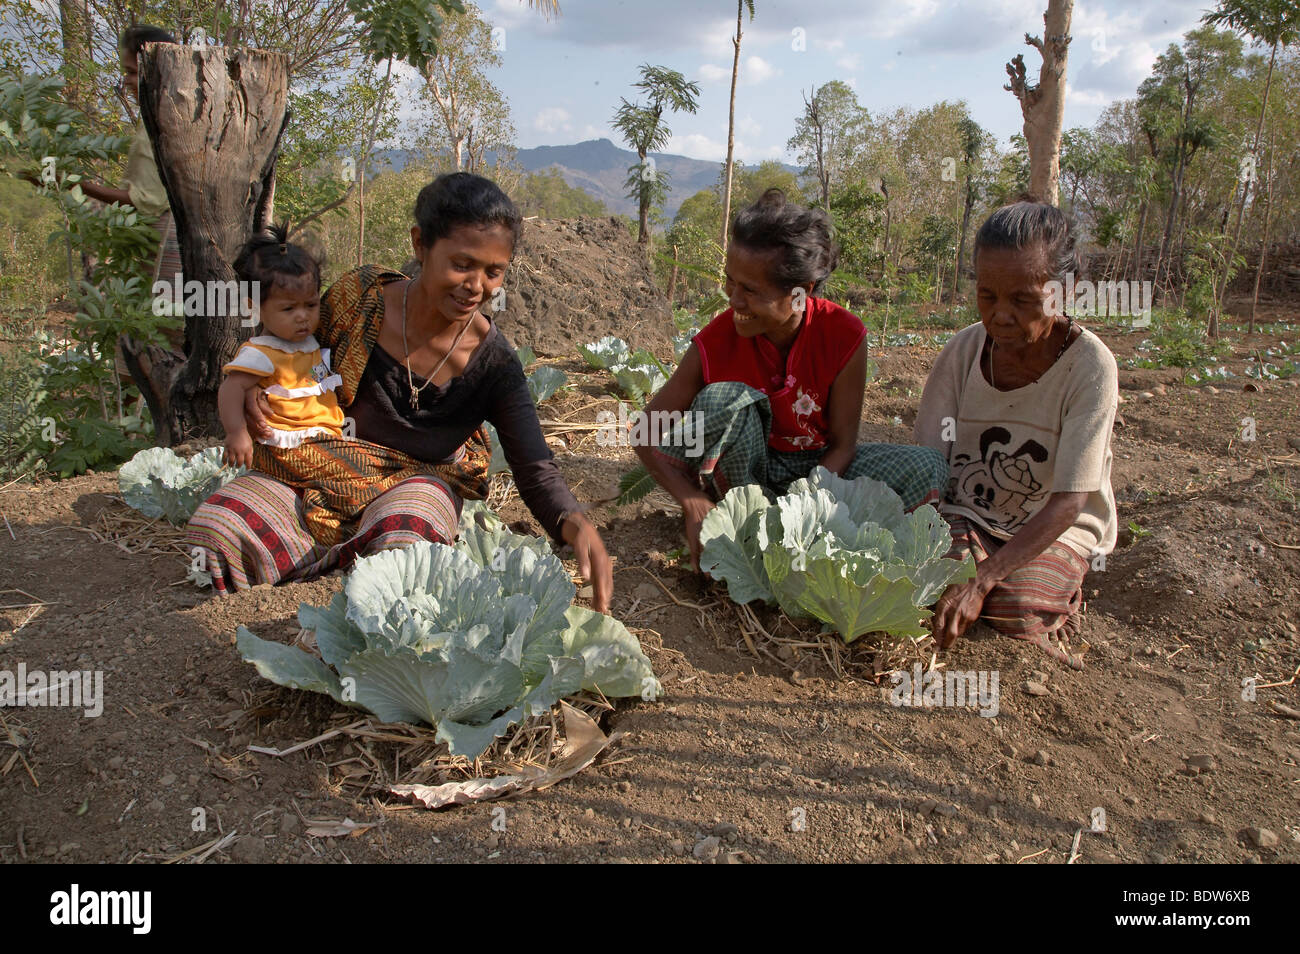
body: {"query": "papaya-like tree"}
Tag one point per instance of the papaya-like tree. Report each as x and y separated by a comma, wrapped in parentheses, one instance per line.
(731, 115)
(643, 128)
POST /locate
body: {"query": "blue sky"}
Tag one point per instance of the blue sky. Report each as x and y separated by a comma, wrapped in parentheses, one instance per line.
(563, 78)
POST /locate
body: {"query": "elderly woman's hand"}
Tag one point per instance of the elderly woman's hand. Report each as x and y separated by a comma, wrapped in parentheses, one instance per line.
(593, 560)
(957, 609)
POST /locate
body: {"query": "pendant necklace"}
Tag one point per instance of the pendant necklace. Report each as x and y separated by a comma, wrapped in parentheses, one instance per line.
(410, 378)
(1069, 326)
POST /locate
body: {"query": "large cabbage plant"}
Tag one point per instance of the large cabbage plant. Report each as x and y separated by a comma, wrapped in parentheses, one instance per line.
(159, 483)
(470, 638)
(840, 551)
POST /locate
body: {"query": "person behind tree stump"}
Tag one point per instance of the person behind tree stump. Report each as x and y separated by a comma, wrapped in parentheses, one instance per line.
(141, 186)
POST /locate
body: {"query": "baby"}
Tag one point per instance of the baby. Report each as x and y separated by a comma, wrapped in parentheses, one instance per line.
(285, 360)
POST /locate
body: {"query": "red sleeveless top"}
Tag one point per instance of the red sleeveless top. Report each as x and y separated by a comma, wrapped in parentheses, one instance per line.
(799, 387)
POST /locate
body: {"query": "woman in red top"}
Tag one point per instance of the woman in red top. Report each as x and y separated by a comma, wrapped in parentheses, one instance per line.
(775, 382)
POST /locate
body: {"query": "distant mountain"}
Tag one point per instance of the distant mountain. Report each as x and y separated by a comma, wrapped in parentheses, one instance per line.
(599, 168)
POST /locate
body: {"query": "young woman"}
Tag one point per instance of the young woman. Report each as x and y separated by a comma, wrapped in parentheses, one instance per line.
(776, 380)
(1022, 404)
(421, 367)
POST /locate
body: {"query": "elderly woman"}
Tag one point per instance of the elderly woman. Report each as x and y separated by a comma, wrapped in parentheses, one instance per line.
(1022, 406)
(422, 367)
(775, 382)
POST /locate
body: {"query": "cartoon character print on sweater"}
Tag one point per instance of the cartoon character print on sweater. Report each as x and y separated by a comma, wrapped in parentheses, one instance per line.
(999, 484)
(321, 371)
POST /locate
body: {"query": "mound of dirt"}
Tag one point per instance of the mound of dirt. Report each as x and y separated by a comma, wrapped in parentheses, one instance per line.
(577, 280)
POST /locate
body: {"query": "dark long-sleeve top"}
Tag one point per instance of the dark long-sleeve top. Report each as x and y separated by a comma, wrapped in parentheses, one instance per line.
(492, 387)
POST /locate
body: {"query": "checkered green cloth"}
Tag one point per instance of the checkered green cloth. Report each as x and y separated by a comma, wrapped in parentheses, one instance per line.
(737, 420)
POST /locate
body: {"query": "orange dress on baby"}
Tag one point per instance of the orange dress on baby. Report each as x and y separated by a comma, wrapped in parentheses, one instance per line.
(299, 387)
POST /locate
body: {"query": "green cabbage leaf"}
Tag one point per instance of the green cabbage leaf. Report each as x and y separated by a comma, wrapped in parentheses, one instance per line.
(840, 551)
(158, 483)
(470, 638)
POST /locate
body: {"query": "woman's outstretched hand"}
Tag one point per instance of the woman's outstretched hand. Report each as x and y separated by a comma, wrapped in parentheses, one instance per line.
(593, 560)
(256, 409)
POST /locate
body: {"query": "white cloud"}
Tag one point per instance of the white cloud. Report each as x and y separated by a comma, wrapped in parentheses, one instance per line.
(753, 70)
(553, 119)
(1086, 98)
(852, 62)
(698, 146)
(1113, 52)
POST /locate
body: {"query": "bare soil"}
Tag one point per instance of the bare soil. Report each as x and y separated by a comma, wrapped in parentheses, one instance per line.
(768, 750)
(576, 280)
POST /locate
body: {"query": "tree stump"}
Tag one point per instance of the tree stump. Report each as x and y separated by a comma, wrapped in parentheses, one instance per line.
(216, 117)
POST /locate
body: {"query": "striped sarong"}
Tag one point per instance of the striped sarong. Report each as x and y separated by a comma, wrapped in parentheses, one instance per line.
(737, 421)
(1039, 602)
(339, 477)
(253, 530)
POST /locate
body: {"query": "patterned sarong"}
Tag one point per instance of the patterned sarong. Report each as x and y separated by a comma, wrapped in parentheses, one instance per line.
(365, 498)
(339, 477)
(737, 421)
(1039, 602)
(252, 531)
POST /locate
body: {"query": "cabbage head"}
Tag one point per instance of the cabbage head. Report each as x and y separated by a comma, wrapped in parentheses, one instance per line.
(158, 483)
(605, 353)
(470, 638)
(840, 551)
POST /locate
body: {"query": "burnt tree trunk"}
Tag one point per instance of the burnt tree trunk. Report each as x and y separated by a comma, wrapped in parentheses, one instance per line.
(216, 117)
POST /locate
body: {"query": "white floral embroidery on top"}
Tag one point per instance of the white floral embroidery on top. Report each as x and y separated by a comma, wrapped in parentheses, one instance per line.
(804, 404)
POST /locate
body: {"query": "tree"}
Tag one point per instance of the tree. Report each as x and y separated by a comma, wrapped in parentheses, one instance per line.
(935, 246)
(857, 210)
(827, 134)
(75, 24)
(731, 116)
(974, 141)
(547, 195)
(749, 184)
(1277, 24)
(1175, 119)
(473, 115)
(644, 130)
(219, 168)
(1043, 105)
